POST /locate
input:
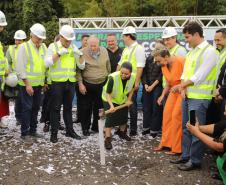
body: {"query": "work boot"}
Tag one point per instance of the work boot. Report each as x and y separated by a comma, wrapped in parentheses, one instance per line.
(53, 138)
(107, 143)
(123, 135)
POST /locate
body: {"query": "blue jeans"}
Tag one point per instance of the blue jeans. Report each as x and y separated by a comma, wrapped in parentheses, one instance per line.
(30, 106)
(192, 147)
(152, 112)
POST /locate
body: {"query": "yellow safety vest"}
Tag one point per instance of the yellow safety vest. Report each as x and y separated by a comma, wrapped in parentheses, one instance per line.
(65, 68)
(3, 66)
(3, 61)
(173, 51)
(130, 56)
(13, 51)
(192, 64)
(118, 95)
(35, 68)
(222, 57)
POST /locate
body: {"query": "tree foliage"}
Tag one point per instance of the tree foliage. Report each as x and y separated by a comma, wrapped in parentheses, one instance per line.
(21, 14)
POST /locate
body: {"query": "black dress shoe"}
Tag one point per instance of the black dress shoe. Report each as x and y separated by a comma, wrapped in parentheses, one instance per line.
(53, 138)
(179, 161)
(145, 132)
(61, 127)
(73, 135)
(86, 132)
(95, 129)
(133, 133)
(124, 136)
(189, 166)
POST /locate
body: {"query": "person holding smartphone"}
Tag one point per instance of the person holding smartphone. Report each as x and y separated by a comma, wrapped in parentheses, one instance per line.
(217, 142)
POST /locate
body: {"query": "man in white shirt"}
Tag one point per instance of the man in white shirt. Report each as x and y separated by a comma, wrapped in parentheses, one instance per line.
(135, 54)
(198, 83)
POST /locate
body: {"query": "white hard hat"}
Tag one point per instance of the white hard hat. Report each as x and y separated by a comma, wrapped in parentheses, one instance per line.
(38, 30)
(169, 32)
(129, 30)
(2, 19)
(67, 32)
(11, 80)
(20, 35)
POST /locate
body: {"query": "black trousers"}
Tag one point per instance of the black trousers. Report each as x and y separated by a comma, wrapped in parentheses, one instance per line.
(45, 114)
(62, 94)
(78, 95)
(91, 100)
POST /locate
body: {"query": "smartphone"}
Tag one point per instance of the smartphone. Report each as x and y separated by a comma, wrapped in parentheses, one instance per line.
(192, 117)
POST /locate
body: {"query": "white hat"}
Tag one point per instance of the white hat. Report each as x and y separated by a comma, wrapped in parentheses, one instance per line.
(2, 19)
(38, 30)
(169, 32)
(67, 32)
(20, 35)
(129, 30)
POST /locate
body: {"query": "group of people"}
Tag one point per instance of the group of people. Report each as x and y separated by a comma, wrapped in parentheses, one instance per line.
(175, 82)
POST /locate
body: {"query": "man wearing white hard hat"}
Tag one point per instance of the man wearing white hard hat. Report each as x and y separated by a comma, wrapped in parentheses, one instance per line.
(135, 54)
(62, 58)
(4, 106)
(30, 67)
(11, 55)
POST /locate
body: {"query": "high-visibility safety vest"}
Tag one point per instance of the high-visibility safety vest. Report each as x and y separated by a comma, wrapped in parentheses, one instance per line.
(3, 61)
(118, 95)
(172, 51)
(13, 51)
(130, 56)
(192, 64)
(222, 57)
(35, 68)
(3, 66)
(175, 49)
(65, 68)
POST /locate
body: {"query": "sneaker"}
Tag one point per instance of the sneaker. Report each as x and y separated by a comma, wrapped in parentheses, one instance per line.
(36, 135)
(46, 127)
(26, 139)
(145, 132)
(107, 143)
(3, 125)
(124, 136)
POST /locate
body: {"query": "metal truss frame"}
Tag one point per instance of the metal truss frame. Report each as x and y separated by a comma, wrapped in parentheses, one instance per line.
(213, 21)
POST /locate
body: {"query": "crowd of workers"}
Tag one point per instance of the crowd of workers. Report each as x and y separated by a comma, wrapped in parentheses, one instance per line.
(175, 82)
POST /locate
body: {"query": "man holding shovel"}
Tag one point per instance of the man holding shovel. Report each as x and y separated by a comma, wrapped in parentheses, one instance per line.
(118, 91)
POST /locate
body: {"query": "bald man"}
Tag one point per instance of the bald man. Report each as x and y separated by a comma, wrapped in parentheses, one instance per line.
(91, 81)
